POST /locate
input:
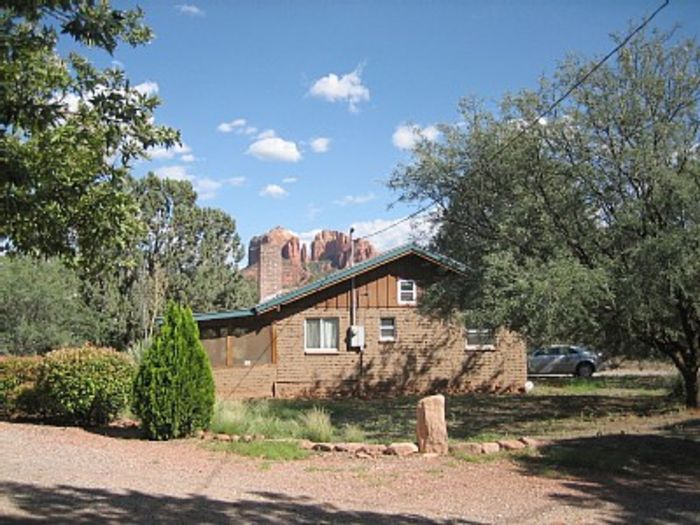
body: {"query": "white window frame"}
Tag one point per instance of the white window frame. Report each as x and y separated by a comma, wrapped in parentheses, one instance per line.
(322, 350)
(398, 291)
(382, 338)
(467, 346)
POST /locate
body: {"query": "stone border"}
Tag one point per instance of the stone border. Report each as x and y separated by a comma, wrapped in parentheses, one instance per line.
(373, 450)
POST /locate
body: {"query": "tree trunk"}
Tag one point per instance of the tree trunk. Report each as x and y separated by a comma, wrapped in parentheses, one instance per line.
(692, 395)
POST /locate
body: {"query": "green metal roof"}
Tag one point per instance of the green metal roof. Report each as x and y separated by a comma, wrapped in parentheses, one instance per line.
(232, 314)
(337, 277)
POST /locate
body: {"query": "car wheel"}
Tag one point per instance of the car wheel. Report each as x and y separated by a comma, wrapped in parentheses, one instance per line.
(585, 370)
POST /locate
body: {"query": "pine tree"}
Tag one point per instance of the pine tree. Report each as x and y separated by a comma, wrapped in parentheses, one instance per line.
(174, 387)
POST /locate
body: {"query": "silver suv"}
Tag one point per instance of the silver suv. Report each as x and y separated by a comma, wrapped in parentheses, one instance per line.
(563, 359)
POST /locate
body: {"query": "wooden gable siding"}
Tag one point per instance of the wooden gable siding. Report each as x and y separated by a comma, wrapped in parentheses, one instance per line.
(374, 289)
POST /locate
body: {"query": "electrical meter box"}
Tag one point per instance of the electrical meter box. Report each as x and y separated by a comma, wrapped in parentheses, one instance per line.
(356, 336)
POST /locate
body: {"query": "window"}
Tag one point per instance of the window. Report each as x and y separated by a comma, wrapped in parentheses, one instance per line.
(387, 329)
(407, 291)
(321, 335)
(480, 339)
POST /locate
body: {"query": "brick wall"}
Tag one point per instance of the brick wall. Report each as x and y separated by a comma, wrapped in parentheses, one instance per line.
(245, 382)
(428, 355)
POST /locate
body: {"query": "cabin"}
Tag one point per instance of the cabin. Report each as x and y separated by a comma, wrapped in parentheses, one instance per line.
(358, 331)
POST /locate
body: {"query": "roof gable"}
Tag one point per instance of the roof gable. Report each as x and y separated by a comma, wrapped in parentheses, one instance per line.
(338, 277)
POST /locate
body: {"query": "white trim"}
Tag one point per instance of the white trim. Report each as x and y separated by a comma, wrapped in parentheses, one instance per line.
(383, 339)
(398, 291)
(467, 346)
(322, 350)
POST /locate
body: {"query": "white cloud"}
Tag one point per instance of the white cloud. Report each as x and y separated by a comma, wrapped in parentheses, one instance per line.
(274, 191)
(173, 173)
(406, 136)
(347, 87)
(320, 144)
(290, 180)
(234, 125)
(266, 134)
(275, 149)
(147, 88)
(355, 199)
(206, 187)
(236, 181)
(160, 152)
(250, 130)
(188, 158)
(189, 9)
(418, 229)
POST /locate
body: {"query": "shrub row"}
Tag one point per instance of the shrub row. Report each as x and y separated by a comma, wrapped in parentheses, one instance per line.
(86, 385)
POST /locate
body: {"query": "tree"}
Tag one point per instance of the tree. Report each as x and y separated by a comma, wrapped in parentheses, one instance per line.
(174, 387)
(41, 307)
(586, 225)
(185, 253)
(68, 130)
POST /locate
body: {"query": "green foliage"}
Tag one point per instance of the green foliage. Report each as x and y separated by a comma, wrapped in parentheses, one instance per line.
(585, 228)
(40, 307)
(69, 132)
(17, 374)
(272, 450)
(185, 253)
(87, 385)
(174, 387)
(253, 418)
(316, 425)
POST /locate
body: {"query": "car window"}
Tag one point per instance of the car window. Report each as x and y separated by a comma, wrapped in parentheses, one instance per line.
(573, 351)
(554, 351)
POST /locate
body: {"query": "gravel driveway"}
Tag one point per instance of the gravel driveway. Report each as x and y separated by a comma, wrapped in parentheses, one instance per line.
(57, 474)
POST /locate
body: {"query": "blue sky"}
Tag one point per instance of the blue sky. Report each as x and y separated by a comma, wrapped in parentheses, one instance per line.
(289, 111)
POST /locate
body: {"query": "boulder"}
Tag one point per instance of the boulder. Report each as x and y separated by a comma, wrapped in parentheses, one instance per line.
(373, 450)
(323, 447)
(511, 444)
(534, 443)
(306, 444)
(222, 437)
(490, 448)
(472, 449)
(431, 429)
(401, 449)
(348, 447)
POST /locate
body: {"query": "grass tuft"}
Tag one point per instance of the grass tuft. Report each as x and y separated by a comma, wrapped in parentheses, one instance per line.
(316, 425)
(269, 450)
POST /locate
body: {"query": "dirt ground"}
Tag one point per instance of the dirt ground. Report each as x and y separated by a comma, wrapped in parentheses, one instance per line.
(70, 475)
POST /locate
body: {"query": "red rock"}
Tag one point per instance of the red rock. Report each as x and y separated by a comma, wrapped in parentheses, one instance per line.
(348, 447)
(431, 429)
(490, 448)
(401, 449)
(511, 444)
(468, 448)
(373, 450)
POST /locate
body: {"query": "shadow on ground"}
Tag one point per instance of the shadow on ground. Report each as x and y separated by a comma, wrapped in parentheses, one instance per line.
(649, 478)
(68, 504)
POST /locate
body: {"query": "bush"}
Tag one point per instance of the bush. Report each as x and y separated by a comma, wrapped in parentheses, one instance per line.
(87, 385)
(174, 387)
(316, 425)
(17, 375)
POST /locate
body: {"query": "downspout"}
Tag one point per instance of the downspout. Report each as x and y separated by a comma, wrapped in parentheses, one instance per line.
(353, 312)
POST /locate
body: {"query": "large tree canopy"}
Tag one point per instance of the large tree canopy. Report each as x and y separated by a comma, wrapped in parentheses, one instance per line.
(68, 130)
(184, 253)
(586, 226)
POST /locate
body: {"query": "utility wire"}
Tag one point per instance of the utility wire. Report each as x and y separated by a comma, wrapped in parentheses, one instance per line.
(536, 119)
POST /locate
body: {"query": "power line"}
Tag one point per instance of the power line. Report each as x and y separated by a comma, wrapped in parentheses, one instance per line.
(536, 119)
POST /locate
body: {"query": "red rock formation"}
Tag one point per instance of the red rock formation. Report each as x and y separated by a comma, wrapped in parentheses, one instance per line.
(330, 248)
